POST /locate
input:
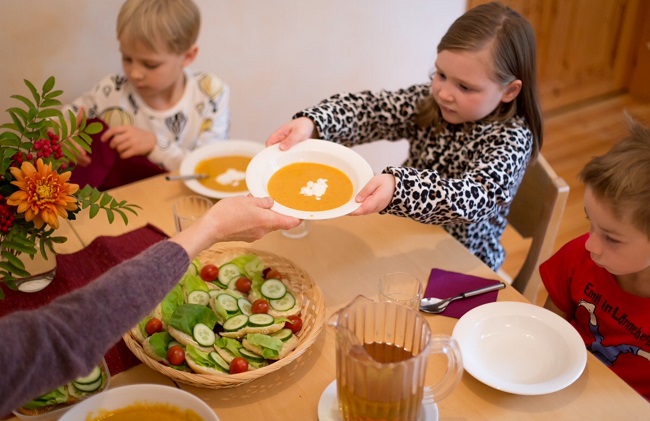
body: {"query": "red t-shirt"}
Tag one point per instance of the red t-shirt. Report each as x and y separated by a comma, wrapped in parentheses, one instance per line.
(618, 324)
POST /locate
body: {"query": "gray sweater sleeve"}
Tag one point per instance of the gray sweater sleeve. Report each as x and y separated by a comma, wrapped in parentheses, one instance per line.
(45, 348)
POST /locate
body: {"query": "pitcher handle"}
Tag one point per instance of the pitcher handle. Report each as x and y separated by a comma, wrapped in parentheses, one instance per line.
(446, 345)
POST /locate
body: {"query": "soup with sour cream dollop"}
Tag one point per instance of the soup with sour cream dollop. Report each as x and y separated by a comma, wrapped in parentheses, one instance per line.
(309, 186)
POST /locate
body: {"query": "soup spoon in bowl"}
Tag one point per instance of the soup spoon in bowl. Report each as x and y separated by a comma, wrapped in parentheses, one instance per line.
(186, 177)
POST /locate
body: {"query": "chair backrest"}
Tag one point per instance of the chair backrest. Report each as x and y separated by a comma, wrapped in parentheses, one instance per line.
(536, 213)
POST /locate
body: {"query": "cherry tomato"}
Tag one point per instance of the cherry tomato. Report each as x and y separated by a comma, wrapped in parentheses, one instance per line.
(273, 274)
(294, 323)
(260, 306)
(243, 284)
(209, 272)
(154, 325)
(238, 365)
(176, 355)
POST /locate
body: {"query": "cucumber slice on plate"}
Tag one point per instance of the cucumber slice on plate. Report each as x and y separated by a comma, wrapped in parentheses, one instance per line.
(251, 356)
(283, 334)
(221, 363)
(244, 306)
(228, 303)
(285, 303)
(260, 320)
(199, 297)
(273, 289)
(227, 272)
(235, 323)
(88, 387)
(91, 377)
(203, 335)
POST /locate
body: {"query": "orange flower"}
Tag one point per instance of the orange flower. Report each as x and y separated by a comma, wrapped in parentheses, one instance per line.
(44, 194)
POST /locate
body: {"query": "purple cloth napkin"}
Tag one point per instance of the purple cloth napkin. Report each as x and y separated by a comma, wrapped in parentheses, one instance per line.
(107, 170)
(445, 284)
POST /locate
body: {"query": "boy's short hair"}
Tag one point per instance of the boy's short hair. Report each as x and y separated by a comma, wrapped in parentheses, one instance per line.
(621, 177)
(172, 24)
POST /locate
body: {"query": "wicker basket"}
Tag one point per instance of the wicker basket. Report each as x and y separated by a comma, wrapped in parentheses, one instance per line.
(312, 314)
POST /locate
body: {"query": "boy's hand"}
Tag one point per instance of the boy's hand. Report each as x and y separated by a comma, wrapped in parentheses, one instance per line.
(129, 141)
(375, 195)
(293, 132)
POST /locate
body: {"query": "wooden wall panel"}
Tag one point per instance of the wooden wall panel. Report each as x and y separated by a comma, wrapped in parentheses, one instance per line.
(585, 47)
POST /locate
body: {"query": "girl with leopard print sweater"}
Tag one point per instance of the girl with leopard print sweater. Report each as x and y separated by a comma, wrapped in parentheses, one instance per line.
(472, 131)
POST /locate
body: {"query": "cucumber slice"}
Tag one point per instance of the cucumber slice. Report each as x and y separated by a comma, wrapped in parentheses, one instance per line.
(273, 289)
(235, 323)
(91, 377)
(251, 356)
(283, 334)
(260, 320)
(199, 297)
(227, 272)
(203, 335)
(285, 303)
(228, 303)
(221, 363)
(88, 387)
(244, 306)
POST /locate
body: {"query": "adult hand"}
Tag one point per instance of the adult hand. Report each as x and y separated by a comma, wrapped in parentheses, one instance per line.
(375, 195)
(129, 141)
(293, 132)
(239, 218)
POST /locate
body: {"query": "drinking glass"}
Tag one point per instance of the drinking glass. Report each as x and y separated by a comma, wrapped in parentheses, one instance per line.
(188, 209)
(401, 288)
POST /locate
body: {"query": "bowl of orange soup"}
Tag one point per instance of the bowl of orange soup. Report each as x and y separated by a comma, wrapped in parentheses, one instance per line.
(142, 402)
(315, 179)
(224, 163)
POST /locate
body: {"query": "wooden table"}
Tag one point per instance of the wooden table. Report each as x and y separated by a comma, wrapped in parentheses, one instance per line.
(346, 257)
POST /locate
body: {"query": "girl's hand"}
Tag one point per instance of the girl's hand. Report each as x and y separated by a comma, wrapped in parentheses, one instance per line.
(293, 132)
(129, 141)
(375, 195)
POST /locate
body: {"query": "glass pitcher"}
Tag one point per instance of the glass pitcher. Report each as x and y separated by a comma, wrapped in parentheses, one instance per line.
(382, 350)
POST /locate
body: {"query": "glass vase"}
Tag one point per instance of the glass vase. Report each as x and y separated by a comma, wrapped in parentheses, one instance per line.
(42, 270)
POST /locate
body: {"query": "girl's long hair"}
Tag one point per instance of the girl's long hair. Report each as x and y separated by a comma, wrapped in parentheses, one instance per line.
(512, 42)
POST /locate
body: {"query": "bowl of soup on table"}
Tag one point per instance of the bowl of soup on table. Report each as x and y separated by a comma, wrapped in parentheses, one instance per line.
(142, 402)
(224, 165)
(315, 179)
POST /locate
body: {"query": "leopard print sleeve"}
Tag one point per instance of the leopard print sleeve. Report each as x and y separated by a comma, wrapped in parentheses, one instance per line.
(474, 183)
(354, 118)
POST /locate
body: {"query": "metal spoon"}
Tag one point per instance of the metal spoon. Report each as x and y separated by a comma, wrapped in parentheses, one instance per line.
(436, 305)
(185, 177)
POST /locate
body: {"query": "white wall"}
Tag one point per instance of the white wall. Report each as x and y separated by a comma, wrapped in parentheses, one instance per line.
(278, 56)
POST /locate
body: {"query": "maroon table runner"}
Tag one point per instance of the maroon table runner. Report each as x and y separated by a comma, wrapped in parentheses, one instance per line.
(78, 269)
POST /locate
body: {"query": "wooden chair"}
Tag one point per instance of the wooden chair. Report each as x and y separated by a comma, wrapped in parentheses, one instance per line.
(536, 213)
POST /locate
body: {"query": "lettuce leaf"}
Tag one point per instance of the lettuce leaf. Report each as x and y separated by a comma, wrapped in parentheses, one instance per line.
(159, 342)
(270, 346)
(57, 396)
(172, 300)
(186, 316)
(232, 345)
(202, 358)
(192, 282)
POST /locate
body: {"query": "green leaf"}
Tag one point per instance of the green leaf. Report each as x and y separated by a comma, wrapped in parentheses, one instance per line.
(110, 215)
(94, 128)
(49, 84)
(94, 209)
(24, 100)
(48, 113)
(12, 259)
(33, 90)
(105, 200)
(18, 246)
(123, 215)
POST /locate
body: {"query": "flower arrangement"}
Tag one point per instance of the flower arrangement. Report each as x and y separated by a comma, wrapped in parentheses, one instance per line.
(37, 156)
